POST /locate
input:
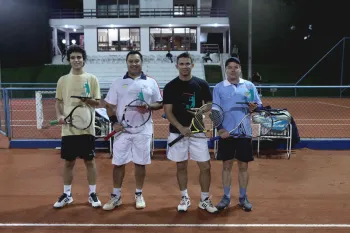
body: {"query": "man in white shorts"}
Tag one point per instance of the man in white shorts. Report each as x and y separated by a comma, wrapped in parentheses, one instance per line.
(180, 94)
(131, 146)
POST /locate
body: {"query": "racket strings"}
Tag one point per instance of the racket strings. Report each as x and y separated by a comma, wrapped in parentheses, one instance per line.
(216, 117)
(81, 118)
(136, 114)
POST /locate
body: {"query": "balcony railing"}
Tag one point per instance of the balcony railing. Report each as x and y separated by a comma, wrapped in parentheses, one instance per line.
(137, 13)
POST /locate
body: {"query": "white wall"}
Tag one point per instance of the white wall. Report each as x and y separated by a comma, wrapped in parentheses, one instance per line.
(156, 4)
(144, 33)
(89, 4)
(90, 40)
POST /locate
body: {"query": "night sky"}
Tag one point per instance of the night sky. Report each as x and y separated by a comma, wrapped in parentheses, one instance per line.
(26, 36)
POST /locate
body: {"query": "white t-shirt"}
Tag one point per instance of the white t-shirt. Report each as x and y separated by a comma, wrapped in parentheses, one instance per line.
(124, 90)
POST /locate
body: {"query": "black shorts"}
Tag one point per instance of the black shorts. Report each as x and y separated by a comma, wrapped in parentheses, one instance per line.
(235, 148)
(78, 146)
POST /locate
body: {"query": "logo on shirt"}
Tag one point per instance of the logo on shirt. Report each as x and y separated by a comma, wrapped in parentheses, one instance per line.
(125, 85)
(141, 96)
(189, 100)
(249, 95)
(86, 88)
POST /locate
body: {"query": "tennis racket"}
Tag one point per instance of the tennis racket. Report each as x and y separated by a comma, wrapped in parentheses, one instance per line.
(136, 114)
(80, 118)
(205, 119)
(254, 124)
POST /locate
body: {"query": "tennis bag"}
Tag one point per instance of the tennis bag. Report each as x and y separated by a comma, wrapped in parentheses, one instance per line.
(281, 119)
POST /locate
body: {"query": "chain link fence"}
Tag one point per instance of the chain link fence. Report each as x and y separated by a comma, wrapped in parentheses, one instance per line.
(2, 113)
(319, 112)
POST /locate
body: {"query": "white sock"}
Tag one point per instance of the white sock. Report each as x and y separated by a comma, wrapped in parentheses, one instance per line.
(184, 193)
(204, 195)
(67, 189)
(117, 191)
(92, 189)
(138, 190)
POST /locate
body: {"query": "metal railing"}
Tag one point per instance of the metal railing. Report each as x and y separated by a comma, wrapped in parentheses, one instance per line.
(318, 111)
(137, 13)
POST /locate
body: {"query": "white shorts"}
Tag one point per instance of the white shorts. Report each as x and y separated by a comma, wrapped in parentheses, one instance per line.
(132, 147)
(197, 147)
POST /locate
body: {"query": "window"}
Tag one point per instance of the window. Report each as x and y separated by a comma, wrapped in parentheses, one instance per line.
(118, 39)
(178, 39)
(182, 10)
(118, 8)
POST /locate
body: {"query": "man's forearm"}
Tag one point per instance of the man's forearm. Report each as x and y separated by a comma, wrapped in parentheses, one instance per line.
(93, 103)
(156, 106)
(110, 110)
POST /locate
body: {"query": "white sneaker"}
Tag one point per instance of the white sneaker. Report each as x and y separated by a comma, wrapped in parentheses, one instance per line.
(115, 201)
(208, 206)
(63, 200)
(140, 202)
(184, 204)
(94, 201)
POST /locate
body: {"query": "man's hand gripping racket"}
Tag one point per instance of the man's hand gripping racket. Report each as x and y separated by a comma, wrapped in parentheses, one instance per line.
(136, 114)
(205, 119)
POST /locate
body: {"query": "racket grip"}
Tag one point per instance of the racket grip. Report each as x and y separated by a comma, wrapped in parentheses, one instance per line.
(55, 122)
(176, 140)
(110, 135)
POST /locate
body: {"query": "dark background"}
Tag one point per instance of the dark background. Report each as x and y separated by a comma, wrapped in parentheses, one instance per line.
(26, 36)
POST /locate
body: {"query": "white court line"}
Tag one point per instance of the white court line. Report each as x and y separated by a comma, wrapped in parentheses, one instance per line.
(178, 225)
(297, 119)
(336, 105)
(325, 124)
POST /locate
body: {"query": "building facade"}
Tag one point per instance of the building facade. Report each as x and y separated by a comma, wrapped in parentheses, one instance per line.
(114, 27)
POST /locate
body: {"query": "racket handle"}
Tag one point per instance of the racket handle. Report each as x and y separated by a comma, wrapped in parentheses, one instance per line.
(215, 138)
(110, 135)
(176, 140)
(55, 122)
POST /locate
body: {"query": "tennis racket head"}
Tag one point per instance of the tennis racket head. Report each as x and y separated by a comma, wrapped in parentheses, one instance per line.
(136, 114)
(252, 125)
(208, 117)
(205, 119)
(80, 117)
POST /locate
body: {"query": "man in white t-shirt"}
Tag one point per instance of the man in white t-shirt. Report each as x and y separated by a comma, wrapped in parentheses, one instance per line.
(131, 146)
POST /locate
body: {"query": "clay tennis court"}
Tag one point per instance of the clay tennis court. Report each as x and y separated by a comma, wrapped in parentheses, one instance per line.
(308, 193)
(311, 188)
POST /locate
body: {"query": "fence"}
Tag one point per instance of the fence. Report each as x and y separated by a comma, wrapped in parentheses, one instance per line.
(319, 112)
(331, 69)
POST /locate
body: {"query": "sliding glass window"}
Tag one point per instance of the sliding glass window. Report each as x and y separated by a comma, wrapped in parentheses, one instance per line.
(118, 39)
(118, 8)
(174, 39)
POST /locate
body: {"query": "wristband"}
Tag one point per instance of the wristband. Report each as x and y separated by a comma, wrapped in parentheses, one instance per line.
(113, 119)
